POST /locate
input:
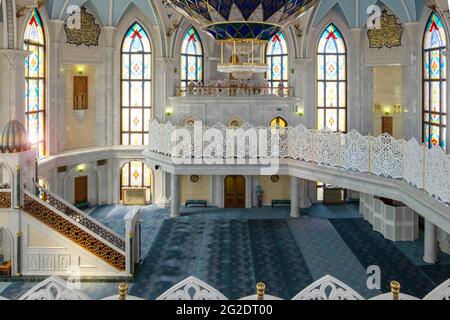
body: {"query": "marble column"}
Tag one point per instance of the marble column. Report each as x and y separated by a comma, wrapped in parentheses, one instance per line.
(295, 213)
(12, 105)
(304, 68)
(430, 250)
(412, 89)
(56, 124)
(305, 202)
(175, 196)
(444, 241)
(107, 115)
(166, 66)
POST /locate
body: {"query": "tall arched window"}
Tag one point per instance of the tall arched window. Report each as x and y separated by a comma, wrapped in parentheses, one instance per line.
(136, 174)
(277, 60)
(136, 105)
(191, 58)
(332, 81)
(34, 42)
(434, 83)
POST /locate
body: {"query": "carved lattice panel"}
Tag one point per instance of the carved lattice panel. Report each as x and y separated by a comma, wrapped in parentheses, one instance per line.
(74, 233)
(5, 200)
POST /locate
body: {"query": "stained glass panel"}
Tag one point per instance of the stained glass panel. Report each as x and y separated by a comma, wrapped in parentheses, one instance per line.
(331, 81)
(434, 83)
(34, 43)
(277, 60)
(191, 58)
(136, 174)
(136, 85)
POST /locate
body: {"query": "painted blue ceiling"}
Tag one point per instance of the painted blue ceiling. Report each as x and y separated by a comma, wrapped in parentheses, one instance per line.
(355, 11)
(109, 11)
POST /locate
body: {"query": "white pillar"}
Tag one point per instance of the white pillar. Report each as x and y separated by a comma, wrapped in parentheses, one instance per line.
(294, 198)
(305, 202)
(175, 196)
(430, 251)
(444, 241)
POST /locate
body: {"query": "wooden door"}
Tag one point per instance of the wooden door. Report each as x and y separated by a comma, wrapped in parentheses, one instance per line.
(235, 192)
(387, 125)
(81, 189)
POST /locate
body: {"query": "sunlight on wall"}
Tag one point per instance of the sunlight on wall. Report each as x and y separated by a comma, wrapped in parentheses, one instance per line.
(80, 131)
(388, 92)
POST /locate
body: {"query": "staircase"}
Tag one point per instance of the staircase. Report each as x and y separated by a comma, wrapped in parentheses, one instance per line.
(76, 226)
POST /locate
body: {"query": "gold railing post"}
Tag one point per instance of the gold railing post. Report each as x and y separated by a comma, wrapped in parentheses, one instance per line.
(260, 290)
(395, 289)
(123, 291)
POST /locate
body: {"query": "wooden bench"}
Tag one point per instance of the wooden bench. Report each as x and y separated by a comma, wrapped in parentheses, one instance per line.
(5, 268)
(83, 205)
(202, 203)
(283, 203)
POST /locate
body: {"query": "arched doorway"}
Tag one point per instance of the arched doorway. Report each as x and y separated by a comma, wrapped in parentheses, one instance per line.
(136, 175)
(6, 252)
(234, 192)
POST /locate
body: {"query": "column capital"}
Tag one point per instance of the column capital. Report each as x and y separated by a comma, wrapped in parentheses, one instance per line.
(13, 55)
(55, 28)
(165, 63)
(109, 32)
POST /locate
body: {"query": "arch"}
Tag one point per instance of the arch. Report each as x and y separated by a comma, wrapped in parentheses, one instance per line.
(188, 120)
(192, 58)
(136, 174)
(93, 182)
(5, 233)
(136, 86)
(278, 121)
(34, 41)
(331, 58)
(277, 56)
(5, 167)
(234, 121)
(434, 75)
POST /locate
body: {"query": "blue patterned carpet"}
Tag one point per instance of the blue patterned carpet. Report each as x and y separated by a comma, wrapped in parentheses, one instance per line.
(234, 249)
(372, 249)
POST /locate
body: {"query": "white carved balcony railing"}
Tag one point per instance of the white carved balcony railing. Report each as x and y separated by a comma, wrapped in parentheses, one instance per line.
(192, 288)
(215, 90)
(384, 156)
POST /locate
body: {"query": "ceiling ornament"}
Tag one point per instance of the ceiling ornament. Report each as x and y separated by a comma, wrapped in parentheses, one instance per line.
(89, 31)
(389, 35)
(242, 27)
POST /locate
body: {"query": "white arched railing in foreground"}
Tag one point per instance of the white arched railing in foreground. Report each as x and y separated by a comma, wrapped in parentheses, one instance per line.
(54, 288)
(442, 292)
(192, 288)
(328, 288)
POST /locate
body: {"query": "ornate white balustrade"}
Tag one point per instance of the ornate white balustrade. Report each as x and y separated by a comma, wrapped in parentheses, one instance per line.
(326, 288)
(384, 156)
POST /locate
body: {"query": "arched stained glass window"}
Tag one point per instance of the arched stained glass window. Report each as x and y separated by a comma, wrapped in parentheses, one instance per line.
(332, 81)
(136, 174)
(278, 121)
(34, 42)
(136, 86)
(434, 83)
(277, 60)
(191, 58)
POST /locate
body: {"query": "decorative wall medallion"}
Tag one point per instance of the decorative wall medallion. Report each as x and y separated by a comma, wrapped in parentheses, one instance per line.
(389, 35)
(88, 34)
(80, 93)
(275, 179)
(194, 178)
